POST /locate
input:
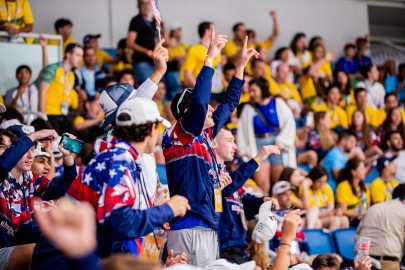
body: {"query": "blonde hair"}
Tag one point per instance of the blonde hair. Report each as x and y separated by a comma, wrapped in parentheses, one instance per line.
(257, 251)
(325, 134)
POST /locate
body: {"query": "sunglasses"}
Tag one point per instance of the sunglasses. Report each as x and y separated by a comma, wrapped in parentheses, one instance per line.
(189, 90)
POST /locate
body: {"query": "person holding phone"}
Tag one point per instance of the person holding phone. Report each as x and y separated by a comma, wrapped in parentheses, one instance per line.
(19, 233)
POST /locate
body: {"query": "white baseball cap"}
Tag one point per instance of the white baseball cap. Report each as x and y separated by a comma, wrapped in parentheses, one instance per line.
(301, 266)
(266, 226)
(141, 111)
(223, 264)
(39, 151)
(281, 187)
(2, 108)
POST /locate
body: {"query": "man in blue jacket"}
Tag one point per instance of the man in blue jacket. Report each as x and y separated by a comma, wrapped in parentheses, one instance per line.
(192, 169)
(239, 206)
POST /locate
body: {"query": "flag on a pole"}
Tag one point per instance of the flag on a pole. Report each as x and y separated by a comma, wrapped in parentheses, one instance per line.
(156, 12)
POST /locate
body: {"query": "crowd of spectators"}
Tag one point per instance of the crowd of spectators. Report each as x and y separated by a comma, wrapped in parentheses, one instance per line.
(243, 138)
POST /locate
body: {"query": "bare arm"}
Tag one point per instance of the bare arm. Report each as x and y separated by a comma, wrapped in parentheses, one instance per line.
(276, 29)
(131, 43)
(347, 213)
(335, 173)
(43, 88)
(88, 123)
(189, 79)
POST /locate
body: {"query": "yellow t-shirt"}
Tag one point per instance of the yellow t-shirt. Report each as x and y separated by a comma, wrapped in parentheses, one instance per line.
(103, 58)
(60, 89)
(380, 189)
(180, 50)
(244, 97)
(307, 87)
(321, 197)
(344, 194)
(19, 19)
(370, 113)
(304, 60)
(65, 43)
(289, 91)
(2, 100)
(348, 100)
(382, 115)
(195, 61)
(161, 109)
(78, 120)
(338, 116)
(325, 70)
(120, 66)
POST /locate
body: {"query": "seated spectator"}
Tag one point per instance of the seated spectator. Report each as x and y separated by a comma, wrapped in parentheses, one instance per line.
(288, 91)
(299, 57)
(281, 56)
(361, 58)
(266, 121)
(297, 180)
(320, 138)
(25, 96)
(320, 196)
(393, 122)
(229, 70)
(127, 77)
(261, 69)
(102, 57)
(390, 102)
(337, 113)
(352, 194)
(375, 90)
(400, 85)
(88, 125)
(381, 188)
(314, 41)
(338, 156)
(342, 81)
(159, 98)
(64, 28)
(124, 57)
(16, 17)
(360, 96)
(324, 69)
(20, 185)
(44, 162)
(325, 261)
(347, 63)
(89, 75)
(367, 140)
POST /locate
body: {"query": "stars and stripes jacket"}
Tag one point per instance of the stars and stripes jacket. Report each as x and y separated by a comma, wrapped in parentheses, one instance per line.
(188, 152)
(113, 184)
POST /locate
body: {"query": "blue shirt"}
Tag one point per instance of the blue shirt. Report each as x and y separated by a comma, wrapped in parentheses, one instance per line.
(270, 113)
(335, 159)
(348, 66)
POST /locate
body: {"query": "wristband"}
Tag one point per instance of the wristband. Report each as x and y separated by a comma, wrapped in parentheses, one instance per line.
(257, 160)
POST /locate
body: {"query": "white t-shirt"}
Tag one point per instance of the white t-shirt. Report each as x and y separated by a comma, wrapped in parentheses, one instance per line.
(28, 101)
(274, 65)
(400, 162)
(375, 93)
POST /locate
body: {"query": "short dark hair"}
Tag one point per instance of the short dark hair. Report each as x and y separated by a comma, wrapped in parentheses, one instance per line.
(184, 103)
(359, 90)
(132, 133)
(4, 132)
(325, 260)
(317, 172)
(23, 67)
(345, 134)
(263, 85)
(255, 61)
(202, 27)
(71, 47)
(279, 52)
(364, 70)
(389, 133)
(12, 113)
(401, 67)
(40, 124)
(236, 26)
(62, 22)
(399, 192)
(229, 66)
(125, 72)
(389, 95)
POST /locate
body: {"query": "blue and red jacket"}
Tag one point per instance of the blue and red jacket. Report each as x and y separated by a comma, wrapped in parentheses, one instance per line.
(232, 233)
(188, 151)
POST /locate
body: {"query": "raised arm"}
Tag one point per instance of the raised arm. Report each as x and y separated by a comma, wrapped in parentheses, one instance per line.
(232, 95)
(194, 118)
(276, 29)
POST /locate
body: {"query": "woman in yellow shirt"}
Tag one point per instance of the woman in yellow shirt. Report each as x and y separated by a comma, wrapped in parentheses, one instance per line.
(321, 196)
(352, 194)
(342, 80)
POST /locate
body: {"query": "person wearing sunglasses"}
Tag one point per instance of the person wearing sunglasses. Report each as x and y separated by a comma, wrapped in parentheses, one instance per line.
(192, 167)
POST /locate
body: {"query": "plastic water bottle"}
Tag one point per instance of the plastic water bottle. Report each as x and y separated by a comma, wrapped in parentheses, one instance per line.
(364, 248)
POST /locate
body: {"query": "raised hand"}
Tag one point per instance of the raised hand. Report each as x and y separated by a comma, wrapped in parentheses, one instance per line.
(290, 225)
(273, 14)
(217, 43)
(247, 53)
(42, 134)
(160, 57)
(42, 41)
(266, 151)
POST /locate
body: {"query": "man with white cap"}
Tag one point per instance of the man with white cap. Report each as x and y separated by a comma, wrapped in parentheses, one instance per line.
(113, 183)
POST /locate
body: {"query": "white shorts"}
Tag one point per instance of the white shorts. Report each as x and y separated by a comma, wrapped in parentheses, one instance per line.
(5, 254)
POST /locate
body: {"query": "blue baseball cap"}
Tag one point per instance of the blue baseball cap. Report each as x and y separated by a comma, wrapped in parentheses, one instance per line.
(111, 98)
(18, 129)
(383, 162)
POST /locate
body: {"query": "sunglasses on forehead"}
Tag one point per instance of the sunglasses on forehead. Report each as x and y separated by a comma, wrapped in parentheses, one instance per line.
(189, 90)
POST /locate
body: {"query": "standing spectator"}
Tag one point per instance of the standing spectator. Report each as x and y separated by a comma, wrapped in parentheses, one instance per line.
(338, 156)
(124, 57)
(64, 28)
(347, 63)
(102, 57)
(361, 58)
(387, 217)
(25, 96)
(360, 97)
(352, 194)
(375, 90)
(126, 77)
(337, 113)
(89, 75)
(56, 93)
(141, 38)
(267, 121)
(16, 17)
(342, 80)
(381, 188)
(177, 54)
(390, 102)
(195, 61)
(192, 168)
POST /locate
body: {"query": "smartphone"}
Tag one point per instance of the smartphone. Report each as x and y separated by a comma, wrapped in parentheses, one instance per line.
(310, 119)
(74, 146)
